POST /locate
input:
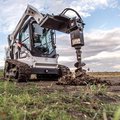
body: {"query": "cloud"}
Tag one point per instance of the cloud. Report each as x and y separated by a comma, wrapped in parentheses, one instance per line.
(103, 47)
(117, 47)
(100, 40)
(104, 55)
(100, 53)
(12, 11)
(84, 7)
(65, 59)
(117, 66)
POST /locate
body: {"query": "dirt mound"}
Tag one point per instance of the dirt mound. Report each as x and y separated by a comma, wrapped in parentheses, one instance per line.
(83, 79)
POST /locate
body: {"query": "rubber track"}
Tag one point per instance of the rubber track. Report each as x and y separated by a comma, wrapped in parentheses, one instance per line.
(23, 69)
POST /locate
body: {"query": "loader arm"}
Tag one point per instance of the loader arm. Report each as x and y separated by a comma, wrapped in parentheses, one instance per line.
(59, 22)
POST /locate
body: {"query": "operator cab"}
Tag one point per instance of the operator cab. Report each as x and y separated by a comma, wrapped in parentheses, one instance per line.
(43, 40)
(38, 40)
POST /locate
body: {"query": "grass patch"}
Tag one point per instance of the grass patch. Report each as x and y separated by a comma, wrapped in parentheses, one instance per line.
(31, 101)
(1, 73)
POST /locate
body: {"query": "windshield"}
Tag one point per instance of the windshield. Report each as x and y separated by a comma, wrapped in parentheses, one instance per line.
(42, 39)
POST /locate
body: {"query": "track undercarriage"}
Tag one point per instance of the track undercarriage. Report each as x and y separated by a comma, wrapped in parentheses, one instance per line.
(17, 70)
(22, 72)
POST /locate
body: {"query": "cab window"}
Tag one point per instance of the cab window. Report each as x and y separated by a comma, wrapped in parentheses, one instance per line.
(25, 37)
(42, 39)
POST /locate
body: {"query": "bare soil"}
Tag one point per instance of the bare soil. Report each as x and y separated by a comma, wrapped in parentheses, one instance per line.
(53, 85)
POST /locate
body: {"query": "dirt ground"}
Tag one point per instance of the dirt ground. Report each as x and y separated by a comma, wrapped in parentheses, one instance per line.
(52, 85)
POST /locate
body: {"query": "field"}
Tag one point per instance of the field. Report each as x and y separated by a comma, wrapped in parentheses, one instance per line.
(48, 101)
(105, 74)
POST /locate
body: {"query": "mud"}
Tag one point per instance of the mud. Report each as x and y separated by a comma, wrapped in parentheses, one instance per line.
(83, 79)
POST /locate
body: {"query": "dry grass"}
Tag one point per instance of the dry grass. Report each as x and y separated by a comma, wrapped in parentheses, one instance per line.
(104, 74)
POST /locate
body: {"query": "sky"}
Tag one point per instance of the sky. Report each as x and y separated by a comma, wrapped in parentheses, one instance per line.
(101, 33)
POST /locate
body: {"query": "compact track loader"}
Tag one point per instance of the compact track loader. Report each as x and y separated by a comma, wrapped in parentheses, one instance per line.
(32, 46)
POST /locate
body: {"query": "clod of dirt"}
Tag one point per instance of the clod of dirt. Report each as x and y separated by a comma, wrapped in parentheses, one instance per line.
(83, 79)
(2, 78)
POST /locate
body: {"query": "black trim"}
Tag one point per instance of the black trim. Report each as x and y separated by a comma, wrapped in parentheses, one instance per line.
(45, 71)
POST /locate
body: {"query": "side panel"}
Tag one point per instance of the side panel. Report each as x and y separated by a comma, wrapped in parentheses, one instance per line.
(40, 62)
(42, 65)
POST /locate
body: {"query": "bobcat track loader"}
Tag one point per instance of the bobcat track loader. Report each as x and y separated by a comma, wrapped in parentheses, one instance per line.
(32, 46)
